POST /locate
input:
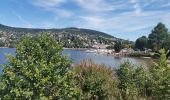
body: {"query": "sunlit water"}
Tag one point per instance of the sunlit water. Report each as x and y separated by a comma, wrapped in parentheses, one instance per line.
(76, 56)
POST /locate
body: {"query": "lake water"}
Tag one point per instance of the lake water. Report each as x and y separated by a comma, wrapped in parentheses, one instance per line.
(76, 56)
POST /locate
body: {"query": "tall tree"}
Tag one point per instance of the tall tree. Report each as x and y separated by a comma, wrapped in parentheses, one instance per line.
(141, 43)
(166, 43)
(158, 36)
(118, 46)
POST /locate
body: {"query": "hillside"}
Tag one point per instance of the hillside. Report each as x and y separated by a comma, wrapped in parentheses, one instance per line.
(69, 37)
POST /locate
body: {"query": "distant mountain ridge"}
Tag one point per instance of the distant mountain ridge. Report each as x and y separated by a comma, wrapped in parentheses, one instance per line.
(53, 29)
(70, 37)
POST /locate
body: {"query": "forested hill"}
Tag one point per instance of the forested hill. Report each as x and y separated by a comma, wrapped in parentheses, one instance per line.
(70, 37)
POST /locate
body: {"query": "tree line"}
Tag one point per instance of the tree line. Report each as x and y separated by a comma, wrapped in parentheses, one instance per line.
(157, 39)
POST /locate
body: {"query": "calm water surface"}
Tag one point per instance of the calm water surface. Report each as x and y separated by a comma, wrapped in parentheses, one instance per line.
(77, 56)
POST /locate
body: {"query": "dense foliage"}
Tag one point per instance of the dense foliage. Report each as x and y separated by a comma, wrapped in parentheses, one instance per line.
(141, 43)
(157, 39)
(161, 78)
(158, 36)
(141, 83)
(166, 43)
(96, 81)
(37, 72)
(140, 54)
(118, 46)
(134, 82)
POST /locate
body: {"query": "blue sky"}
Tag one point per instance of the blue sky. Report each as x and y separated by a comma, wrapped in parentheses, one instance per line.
(127, 19)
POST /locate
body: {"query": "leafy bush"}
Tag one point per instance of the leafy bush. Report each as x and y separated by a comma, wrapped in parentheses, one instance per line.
(118, 46)
(134, 82)
(38, 71)
(127, 84)
(142, 54)
(143, 82)
(96, 81)
(161, 78)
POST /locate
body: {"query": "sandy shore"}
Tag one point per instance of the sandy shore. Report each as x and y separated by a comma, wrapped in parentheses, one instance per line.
(147, 57)
(76, 48)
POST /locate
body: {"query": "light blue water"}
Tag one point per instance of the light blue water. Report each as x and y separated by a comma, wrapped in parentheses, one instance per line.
(76, 56)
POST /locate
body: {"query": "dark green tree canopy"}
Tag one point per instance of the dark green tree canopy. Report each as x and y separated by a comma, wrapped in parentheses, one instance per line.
(158, 36)
(118, 46)
(141, 43)
(166, 43)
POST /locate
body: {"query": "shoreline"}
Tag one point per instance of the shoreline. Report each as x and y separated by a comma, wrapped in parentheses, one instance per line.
(108, 54)
(76, 48)
(4, 47)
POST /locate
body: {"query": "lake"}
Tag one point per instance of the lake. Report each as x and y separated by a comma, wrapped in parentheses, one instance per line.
(77, 55)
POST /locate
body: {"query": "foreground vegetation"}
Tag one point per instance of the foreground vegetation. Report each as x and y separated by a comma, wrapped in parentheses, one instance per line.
(39, 71)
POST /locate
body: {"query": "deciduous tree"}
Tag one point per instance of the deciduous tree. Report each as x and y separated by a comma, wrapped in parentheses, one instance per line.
(38, 71)
(118, 46)
(141, 43)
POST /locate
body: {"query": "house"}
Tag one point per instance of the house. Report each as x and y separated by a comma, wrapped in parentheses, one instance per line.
(100, 46)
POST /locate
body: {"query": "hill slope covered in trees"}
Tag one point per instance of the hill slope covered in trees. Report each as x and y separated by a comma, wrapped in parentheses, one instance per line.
(69, 37)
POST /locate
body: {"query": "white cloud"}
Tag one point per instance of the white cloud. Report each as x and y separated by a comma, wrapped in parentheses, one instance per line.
(116, 15)
(94, 21)
(53, 6)
(126, 22)
(100, 5)
(48, 3)
(166, 4)
(95, 5)
(133, 1)
(136, 6)
(137, 19)
(137, 9)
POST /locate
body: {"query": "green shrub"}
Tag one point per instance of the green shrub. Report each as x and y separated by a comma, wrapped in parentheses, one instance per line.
(134, 82)
(161, 78)
(127, 84)
(142, 54)
(38, 71)
(97, 82)
(142, 79)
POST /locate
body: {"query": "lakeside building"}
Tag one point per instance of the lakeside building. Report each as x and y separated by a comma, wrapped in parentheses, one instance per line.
(100, 46)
